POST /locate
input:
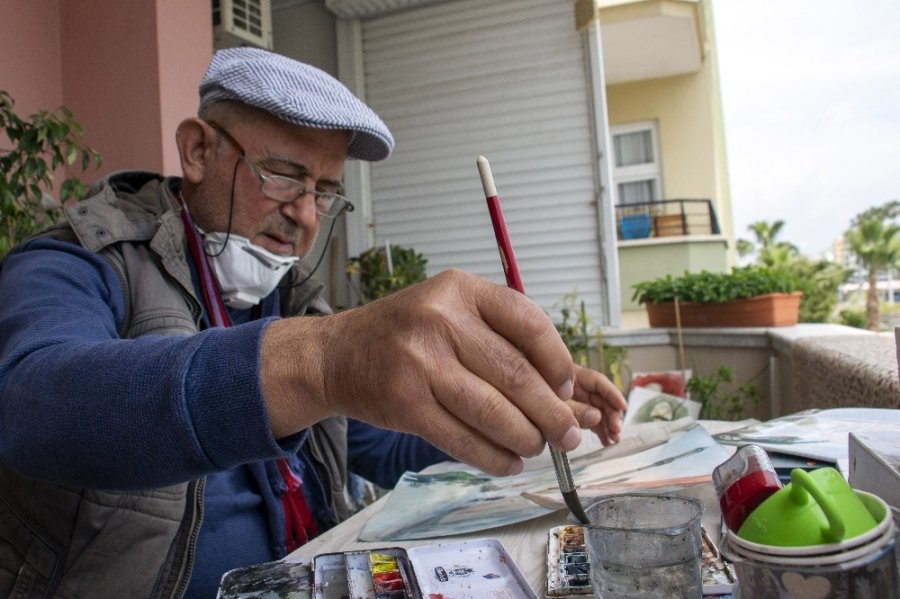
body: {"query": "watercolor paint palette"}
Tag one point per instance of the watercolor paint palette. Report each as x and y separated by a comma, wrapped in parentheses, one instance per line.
(569, 569)
(465, 570)
(271, 580)
(378, 574)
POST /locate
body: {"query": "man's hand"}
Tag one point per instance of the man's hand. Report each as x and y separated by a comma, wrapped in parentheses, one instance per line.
(475, 368)
(598, 404)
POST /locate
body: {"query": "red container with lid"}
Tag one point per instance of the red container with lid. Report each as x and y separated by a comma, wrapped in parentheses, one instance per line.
(743, 482)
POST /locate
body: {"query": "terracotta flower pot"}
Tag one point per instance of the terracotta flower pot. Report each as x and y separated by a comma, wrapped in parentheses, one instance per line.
(770, 310)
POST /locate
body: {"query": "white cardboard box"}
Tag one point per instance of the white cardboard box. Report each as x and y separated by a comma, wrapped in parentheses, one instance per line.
(875, 465)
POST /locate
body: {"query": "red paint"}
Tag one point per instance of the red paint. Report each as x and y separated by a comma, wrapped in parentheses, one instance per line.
(745, 494)
(386, 576)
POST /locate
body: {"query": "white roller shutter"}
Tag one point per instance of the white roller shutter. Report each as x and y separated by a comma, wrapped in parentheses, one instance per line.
(503, 79)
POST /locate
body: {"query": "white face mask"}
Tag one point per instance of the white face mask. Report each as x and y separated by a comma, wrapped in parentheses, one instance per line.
(246, 272)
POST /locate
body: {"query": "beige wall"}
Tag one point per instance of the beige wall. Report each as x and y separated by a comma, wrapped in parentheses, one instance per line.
(687, 110)
(103, 60)
(681, 108)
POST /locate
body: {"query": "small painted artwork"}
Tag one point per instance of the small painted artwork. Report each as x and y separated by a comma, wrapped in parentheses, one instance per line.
(271, 580)
(671, 382)
(649, 405)
(568, 568)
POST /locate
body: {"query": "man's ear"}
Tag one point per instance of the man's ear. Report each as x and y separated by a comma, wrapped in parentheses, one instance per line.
(196, 142)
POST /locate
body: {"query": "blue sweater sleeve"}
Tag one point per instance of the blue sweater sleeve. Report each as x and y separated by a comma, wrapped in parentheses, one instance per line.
(382, 456)
(80, 406)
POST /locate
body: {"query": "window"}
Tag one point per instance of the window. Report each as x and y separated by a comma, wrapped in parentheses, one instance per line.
(636, 158)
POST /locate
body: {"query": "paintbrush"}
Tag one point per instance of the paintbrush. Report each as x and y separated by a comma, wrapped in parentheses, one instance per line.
(514, 281)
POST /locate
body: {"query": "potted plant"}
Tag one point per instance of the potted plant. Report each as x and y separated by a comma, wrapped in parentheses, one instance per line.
(381, 274)
(723, 404)
(38, 146)
(585, 343)
(751, 296)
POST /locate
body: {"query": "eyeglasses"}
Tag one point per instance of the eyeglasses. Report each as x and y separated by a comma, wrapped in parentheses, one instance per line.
(286, 189)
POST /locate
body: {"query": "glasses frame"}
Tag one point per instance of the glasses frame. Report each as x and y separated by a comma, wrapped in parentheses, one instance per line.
(336, 203)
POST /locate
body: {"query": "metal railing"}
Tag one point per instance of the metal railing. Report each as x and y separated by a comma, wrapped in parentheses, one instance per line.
(664, 218)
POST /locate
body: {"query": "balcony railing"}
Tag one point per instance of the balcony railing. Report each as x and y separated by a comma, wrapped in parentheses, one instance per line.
(664, 218)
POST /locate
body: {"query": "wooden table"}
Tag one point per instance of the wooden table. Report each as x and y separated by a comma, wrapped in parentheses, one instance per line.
(526, 542)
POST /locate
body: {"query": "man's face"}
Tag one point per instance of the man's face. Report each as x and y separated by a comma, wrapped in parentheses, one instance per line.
(315, 157)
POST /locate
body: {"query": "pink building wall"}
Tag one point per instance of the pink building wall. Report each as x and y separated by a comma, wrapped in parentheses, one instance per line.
(127, 70)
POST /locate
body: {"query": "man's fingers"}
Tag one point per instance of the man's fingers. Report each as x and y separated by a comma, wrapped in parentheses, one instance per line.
(466, 444)
(521, 356)
(530, 330)
(595, 388)
(469, 398)
(587, 416)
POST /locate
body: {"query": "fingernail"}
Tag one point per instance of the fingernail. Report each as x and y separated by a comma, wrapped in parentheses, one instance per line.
(567, 389)
(515, 468)
(592, 417)
(571, 439)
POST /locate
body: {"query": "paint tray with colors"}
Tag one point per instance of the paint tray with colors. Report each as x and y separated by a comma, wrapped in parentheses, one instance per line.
(375, 574)
(464, 570)
(271, 580)
(468, 570)
(568, 568)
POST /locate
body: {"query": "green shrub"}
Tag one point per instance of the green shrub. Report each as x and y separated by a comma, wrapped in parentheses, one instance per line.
(722, 404)
(853, 317)
(40, 144)
(376, 280)
(584, 341)
(708, 287)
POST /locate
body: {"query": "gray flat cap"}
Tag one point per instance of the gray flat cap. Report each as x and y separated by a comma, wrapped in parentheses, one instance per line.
(297, 93)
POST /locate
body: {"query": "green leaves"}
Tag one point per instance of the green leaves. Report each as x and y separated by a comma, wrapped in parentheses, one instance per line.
(708, 287)
(722, 404)
(40, 144)
(377, 280)
(584, 341)
(874, 237)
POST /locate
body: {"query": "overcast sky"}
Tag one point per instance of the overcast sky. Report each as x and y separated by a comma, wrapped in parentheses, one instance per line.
(811, 101)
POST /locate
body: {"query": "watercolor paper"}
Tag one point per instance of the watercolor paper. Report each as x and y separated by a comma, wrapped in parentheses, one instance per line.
(816, 434)
(650, 456)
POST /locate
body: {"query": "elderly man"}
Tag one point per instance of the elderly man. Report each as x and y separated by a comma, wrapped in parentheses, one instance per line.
(170, 410)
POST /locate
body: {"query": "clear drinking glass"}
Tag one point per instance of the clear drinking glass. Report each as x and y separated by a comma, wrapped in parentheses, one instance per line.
(645, 546)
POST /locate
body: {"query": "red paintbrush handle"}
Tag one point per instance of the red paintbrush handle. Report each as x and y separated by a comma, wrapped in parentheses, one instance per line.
(507, 257)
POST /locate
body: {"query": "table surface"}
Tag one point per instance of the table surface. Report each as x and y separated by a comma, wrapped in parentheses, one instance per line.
(526, 542)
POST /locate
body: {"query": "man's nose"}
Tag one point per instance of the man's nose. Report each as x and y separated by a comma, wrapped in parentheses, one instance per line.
(302, 210)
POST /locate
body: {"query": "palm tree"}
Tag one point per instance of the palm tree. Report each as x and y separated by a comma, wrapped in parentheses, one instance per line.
(769, 251)
(874, 238)
(817, 279)
(766, 232)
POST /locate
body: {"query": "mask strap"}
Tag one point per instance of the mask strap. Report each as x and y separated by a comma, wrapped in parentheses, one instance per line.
(230, 212)
(209, 287)
(318, 262)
